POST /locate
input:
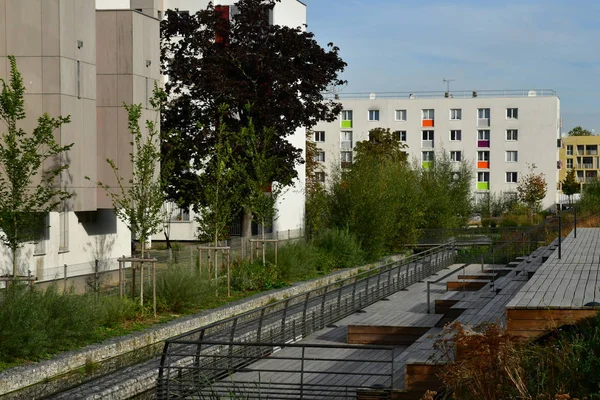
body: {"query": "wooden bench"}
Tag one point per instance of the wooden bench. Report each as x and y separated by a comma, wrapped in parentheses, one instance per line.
(466, 285)
(403, 333)
(479, 276)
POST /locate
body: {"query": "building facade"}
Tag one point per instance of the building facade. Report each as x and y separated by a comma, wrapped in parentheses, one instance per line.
(579, 153)
(81, 64)
(497, 132)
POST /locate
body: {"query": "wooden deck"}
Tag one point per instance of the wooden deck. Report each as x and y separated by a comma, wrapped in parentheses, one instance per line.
(559, 290)
(404, 308)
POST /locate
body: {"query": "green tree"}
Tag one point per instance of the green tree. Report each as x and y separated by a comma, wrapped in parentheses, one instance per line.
(220, 193)
(316, 205)
(138, 200)
(282, 72)
(262, 192)
(531, 190)
(446, 194)
(570, 186)
(29, 187)
(382, 145)
(579, 131)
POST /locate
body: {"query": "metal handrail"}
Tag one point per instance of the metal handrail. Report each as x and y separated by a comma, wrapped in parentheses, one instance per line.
(296, 317)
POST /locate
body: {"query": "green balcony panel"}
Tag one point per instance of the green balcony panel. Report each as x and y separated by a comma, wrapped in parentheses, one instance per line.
(427, 164)
(346, 124)
(483, 186)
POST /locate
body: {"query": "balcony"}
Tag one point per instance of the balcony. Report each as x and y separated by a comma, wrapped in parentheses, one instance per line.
(483, 143)
(427, 122)
(483, 164)
(483, 186)
(346, 123)
(483, 122)
(346, 164)
(585, 166)
(427, 164)
(427, 144)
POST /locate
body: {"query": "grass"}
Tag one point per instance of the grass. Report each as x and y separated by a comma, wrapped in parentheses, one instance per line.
(34, 325)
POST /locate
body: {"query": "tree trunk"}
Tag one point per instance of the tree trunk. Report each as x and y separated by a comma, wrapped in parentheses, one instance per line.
(15, 263)
(263, 243)
(246, 230)
(168, 241)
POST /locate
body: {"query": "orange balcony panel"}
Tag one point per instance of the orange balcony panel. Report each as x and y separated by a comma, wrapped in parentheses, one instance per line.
(483, 164)
(427, 122)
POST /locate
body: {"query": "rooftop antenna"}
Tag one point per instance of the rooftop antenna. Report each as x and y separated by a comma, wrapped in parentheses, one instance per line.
(447, 82)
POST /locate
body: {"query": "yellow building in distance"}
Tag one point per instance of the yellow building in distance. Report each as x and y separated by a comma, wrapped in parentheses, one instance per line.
(581, 154)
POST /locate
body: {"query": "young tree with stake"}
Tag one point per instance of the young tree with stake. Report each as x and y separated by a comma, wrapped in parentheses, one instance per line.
(29, 189)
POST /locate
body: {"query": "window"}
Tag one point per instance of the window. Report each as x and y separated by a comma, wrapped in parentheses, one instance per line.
(64, 231)
(512, 113)
(511, 177)
(512, 135)
(483, 113)
(483, 134)
(427, 156)
(400, 135)
(40, 244)
(427, 135)
(346, 119)
(455, 114)
(570, 150)
(483, 156)
(320, 157)
(455, 136)
(78, 79)
(400, 115)
(180, 214)
(346, 140)
(483, 177)
(511, 156)
(569, 163)
(319, 136)
(320, 176)
(373, 115)
(428, 114)
(456, 156)
(346, 156)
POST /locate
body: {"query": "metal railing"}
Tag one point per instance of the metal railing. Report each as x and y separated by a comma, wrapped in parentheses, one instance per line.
(289, 320)
(462, 94)
(302, 371)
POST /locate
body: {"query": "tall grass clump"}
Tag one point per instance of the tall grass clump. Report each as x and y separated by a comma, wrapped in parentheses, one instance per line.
(296, 261)
(180, 288)
(337, 248)
(253, 276)
(34, 324)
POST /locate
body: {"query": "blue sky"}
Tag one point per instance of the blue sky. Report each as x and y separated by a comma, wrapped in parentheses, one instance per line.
(401, 45)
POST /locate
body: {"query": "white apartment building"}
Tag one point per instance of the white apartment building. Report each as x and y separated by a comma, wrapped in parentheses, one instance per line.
(290, 207)
(497, 132)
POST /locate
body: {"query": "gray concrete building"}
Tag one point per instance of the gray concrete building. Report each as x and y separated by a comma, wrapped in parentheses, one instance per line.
(85, 64)
(497, 132)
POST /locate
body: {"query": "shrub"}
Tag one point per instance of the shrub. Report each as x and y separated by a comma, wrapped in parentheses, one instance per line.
(114, 310)
(251, 276)
(296, 261)
(337, 249)
(179, 288)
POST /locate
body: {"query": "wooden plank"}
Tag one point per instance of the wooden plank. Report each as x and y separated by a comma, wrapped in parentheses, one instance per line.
(466, 285)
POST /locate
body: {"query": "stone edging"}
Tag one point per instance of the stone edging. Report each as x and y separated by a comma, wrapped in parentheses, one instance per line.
(20, 377)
